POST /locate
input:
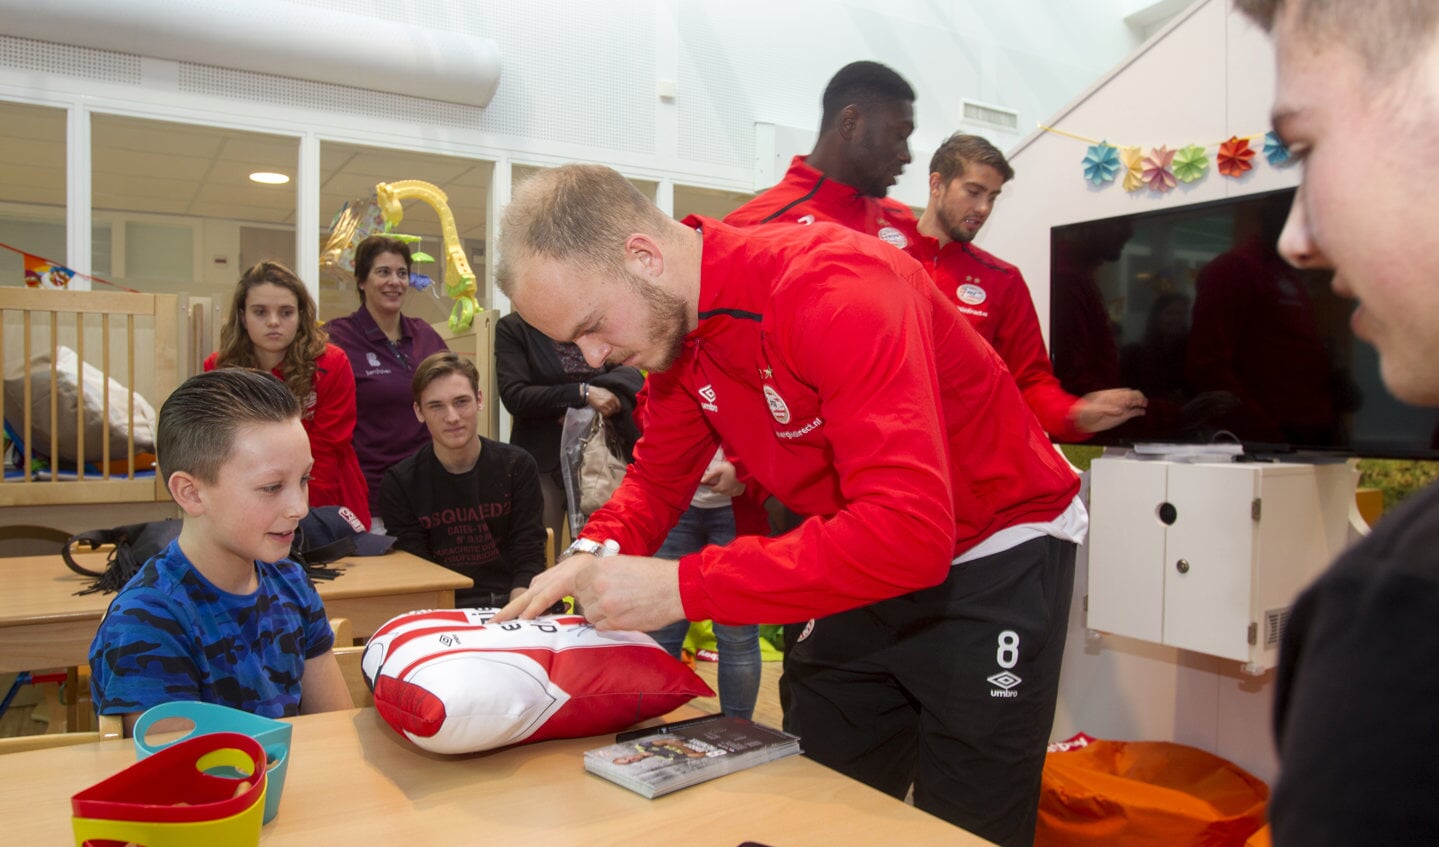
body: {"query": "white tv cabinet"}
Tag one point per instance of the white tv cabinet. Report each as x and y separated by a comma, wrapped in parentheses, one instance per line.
(1209, 556)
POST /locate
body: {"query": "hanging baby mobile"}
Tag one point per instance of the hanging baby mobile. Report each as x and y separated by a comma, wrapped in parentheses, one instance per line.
(381, 213)
(1161, 169)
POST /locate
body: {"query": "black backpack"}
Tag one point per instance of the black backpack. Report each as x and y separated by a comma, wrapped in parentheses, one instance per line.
(137, 543)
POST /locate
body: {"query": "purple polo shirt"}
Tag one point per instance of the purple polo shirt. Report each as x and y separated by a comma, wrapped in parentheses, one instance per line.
(386, 430)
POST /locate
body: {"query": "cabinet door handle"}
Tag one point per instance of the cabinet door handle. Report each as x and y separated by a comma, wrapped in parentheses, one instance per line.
(1182, 566)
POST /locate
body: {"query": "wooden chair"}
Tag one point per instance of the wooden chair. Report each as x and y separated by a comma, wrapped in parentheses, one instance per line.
(344, 632)
(347, 656)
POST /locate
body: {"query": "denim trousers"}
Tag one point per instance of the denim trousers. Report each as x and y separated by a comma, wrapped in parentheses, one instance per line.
(739, 656)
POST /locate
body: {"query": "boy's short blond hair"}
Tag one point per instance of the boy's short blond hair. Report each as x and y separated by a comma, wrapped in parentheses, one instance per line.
(199, 419)
(1388, 34)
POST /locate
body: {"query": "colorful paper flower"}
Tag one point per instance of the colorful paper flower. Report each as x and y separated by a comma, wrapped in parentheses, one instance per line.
(1234, 156)
(1156, 169)
(1190, 163)
(1133, 163)
(1275, 150)
(1101, 163)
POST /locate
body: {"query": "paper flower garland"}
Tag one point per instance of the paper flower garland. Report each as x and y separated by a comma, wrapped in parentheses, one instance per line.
(1133, 168)
(1101, 163)
(1234, 157)
(1156, 169)
(1163, 169)
(1276, 151)
(1190, 163)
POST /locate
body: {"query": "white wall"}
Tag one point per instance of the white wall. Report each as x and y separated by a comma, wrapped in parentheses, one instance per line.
(1207, 77)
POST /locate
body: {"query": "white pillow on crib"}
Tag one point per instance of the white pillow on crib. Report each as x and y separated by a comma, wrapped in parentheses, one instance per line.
(68, 377)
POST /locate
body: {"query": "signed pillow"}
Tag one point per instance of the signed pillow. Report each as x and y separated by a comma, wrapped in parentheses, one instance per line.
(451, 682)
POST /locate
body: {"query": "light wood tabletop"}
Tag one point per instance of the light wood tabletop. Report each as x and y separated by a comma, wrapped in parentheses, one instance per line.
(352, 780)
(44, 624)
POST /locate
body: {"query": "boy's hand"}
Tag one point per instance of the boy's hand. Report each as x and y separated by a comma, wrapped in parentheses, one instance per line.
(545, 590)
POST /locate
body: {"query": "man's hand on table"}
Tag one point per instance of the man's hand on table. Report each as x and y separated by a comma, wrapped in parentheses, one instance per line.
(614, 593)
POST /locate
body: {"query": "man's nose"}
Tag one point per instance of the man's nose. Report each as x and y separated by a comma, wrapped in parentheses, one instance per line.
(1296, 242)
(594, 353)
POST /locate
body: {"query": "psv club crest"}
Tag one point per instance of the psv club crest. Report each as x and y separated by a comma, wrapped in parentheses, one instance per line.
(971, 294)
(777, 407)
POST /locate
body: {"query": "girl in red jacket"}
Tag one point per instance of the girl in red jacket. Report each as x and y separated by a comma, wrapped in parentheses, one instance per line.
(272, 326)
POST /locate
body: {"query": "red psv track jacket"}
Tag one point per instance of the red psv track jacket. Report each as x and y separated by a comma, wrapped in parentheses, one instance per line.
(993, 295)
(852, 390)
(807, 196)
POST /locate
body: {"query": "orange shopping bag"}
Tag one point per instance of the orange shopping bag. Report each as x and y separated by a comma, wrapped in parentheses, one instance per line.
(1131, 793)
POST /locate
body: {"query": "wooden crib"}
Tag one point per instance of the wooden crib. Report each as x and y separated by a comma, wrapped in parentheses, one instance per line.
(146, 344)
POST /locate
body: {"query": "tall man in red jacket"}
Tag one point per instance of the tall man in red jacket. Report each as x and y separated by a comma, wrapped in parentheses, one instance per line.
(935, 562)
(863, 146)
(966, 175)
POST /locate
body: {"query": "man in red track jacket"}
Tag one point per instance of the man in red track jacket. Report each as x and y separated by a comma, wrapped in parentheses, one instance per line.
(863, 146)
(966, 175)
(935, 562)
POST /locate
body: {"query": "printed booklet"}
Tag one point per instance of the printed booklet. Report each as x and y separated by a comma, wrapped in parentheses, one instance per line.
(687, 753)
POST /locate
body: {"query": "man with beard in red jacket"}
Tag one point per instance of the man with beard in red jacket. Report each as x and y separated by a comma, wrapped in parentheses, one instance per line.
(933, 569)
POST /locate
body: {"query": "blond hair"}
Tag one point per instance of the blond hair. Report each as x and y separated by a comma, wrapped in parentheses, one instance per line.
(1387, 34)
(578, 214)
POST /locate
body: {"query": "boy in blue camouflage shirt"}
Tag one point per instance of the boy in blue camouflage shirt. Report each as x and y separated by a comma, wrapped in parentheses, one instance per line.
(221, 615)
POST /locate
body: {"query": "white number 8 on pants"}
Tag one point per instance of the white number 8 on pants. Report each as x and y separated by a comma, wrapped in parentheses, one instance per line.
(1007, 656)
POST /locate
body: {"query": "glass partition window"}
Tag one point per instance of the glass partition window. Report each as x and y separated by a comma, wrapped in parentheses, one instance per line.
(709, 202)
(32, 187)
(177, 198)
(348, 176)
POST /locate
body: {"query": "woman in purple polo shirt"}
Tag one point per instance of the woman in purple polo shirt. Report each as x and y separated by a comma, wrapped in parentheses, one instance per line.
(385, 346)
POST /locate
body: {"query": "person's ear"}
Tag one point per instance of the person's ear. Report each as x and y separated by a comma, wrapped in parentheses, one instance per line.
(644, 256)
(849, 121)
(419, 417)
(188, 492)
(936, 182)
(479, 401)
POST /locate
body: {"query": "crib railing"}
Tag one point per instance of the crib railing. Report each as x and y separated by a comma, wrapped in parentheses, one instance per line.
(65, 455)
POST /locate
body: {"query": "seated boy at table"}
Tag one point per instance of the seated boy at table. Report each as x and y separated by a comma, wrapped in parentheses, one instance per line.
(464, 501)
(221, 615)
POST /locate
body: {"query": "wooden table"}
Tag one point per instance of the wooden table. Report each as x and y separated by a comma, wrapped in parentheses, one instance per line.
(353, 781)
(43, 624)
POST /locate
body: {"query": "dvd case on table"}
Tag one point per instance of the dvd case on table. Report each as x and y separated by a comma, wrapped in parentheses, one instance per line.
(690, 753)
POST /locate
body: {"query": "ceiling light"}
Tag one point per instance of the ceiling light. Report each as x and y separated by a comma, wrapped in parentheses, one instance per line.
(269, 178)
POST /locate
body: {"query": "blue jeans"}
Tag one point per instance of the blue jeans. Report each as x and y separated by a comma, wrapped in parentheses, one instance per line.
(739, 656)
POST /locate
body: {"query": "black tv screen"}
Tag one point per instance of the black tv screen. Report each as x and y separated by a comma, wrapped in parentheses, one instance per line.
(1194, 307)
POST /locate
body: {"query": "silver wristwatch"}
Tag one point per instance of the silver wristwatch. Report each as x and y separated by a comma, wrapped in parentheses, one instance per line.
(588, 545)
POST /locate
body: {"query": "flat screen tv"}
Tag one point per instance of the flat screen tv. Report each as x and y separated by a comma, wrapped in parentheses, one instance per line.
(1194, 307)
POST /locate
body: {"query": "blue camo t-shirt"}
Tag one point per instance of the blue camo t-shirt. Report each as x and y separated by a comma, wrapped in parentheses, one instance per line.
(170, 634)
